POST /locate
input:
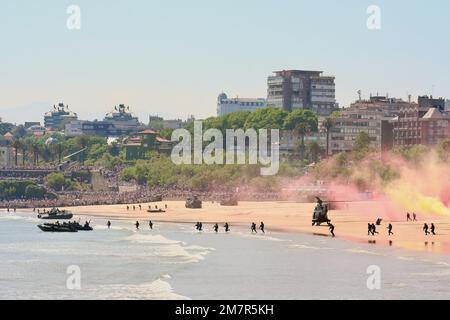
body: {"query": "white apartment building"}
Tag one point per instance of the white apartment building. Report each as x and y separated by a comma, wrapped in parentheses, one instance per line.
(227, 105)
(298, 89)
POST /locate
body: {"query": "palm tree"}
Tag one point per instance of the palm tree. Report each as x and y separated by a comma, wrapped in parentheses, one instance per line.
(36, 150)
(16, 145)
(327, 124)
(59, 150)
(303, 129)
(24, 150)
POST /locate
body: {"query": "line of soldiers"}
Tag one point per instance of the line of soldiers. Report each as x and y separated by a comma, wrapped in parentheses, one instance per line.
(372, 229)
(140, 207)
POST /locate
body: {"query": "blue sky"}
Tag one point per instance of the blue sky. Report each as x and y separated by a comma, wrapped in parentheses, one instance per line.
(174, 57)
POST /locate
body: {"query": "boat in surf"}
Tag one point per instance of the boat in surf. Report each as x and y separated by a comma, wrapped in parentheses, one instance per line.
(56, 214)
(56, 227)
(65, 227)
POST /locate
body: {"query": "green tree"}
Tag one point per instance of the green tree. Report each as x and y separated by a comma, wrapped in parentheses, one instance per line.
(314, 150)
(34, 192)
(266, 118)
(56, 181)
(362, 142)
(304, 121)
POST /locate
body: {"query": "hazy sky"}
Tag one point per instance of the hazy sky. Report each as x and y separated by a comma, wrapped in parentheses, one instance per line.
(174, 57)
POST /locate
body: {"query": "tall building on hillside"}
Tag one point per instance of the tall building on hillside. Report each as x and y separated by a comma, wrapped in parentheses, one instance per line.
(122, 119)
(119, 122)
(227, 105)
(58, 116)
(299, 89)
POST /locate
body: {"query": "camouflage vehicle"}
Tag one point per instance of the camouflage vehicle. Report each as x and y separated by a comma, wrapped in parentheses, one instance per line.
(193, 203)
(320, 214)
(156, 198)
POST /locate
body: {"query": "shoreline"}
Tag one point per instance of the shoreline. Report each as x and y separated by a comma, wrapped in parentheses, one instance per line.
(285, 217)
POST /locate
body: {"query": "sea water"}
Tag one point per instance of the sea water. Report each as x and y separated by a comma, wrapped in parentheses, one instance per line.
(174, 261)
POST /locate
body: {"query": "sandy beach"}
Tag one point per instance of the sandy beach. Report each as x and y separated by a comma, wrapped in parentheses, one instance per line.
(350, 223)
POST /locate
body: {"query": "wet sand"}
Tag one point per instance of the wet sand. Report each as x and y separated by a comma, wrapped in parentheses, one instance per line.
(350, 224)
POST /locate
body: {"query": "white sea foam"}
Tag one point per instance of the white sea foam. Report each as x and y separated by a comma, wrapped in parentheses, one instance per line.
(309, 247)
(151, 238)
(15, 217)
(362, 251)
(168, 248)
(157, 289)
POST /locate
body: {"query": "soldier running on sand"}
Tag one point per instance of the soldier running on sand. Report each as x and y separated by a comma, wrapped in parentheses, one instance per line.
(216, 228)
(414, 217)
(389, 227)
(108, 224)
(432, 229)
(137, 225)
(425, 229)
(408, 217)
(227, 227)
(374, 229)
(150, 224)
(369, 230)
(253, 227)
(261, 227)
(331, 227)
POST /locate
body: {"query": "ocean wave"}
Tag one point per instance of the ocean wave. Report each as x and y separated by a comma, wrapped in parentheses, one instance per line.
(306, 246)
(178, 251)
(150, 238)
(261, 236)
(157, 289)
(15, 217)
(362, 251)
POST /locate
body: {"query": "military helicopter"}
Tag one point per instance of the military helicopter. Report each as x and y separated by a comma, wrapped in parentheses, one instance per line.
(320, 214)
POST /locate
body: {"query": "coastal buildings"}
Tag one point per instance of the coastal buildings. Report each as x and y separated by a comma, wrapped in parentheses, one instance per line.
(426, 102)
(227, 105)
(434, 126)
(137, 145)
(373, 116)
(159, 123)
(36, 130)
(116, 123)
(122, 119)
(298, 89)
(59, 116)
(354, 120)
(426, 122)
